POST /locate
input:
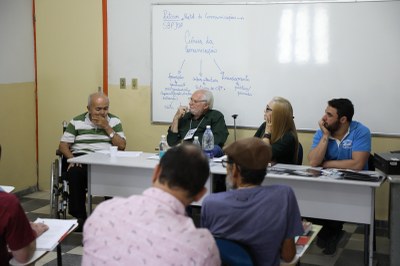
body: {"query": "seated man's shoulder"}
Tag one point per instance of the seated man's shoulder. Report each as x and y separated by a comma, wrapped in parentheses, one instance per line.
(215, 112)
(280, 187)
(80, 117)
(112, 116)
(8, 199)
(359, 126)
(218, 197)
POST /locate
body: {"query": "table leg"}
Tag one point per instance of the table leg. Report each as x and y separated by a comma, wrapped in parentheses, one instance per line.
(59, 255)
(89, 185)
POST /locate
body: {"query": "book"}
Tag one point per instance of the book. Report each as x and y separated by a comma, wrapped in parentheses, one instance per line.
(58, 230)
(302, 240)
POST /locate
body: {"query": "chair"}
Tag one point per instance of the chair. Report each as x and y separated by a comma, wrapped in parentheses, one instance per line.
(300, 154)
(233, 253)
(58, 188)
(59, 185)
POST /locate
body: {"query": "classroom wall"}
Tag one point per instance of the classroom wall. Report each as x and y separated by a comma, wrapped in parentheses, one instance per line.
(70, 67)
(69, 52)
(17, 135)
(17, 95)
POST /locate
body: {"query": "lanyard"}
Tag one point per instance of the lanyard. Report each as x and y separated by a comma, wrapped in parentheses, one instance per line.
(190, 126)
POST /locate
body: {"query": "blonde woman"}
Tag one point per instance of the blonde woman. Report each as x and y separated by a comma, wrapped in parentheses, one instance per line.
(279, 131)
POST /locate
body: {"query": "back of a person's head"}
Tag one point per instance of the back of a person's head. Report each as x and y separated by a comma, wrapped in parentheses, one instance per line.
(344, 107)
(184, 167)
(252, 156)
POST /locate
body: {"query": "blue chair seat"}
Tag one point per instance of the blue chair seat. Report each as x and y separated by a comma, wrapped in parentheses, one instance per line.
(233, 253)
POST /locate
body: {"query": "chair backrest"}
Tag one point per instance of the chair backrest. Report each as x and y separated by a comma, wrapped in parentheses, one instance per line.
(300, 155)
(233, 253)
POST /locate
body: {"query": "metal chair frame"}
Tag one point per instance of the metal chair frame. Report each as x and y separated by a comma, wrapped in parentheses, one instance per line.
(58, 189)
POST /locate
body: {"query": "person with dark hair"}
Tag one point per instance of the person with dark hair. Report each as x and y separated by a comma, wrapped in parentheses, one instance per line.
(339, 142)
(265, 219)
(17, 234)
(94, 130)
(190, 121)
(152, 228)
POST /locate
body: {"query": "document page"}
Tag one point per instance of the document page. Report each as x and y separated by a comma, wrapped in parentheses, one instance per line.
(58, 229)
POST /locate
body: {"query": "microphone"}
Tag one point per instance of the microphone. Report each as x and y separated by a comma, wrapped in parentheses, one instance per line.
(234, 125)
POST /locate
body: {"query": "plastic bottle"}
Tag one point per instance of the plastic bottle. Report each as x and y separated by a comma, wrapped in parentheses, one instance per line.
(163, 147)
(208, 142)
(196, 141)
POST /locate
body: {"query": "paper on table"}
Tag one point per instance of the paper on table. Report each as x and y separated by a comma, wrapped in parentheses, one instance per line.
(58, 229)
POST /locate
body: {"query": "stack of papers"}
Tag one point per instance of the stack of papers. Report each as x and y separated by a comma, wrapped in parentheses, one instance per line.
(58, 230)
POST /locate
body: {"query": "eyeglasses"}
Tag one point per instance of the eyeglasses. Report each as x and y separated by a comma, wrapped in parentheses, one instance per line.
(197, 101)
(268, 109)
(226, 162)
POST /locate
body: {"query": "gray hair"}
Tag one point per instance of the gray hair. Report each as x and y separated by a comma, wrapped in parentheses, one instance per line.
(209, 97)
(96, 95)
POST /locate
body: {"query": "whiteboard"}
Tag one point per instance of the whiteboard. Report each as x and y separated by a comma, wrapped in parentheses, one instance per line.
(308, 53)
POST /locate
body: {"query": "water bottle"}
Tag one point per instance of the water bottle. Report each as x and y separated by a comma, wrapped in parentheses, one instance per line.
(163, 147)
(196, 141)
(208, 142)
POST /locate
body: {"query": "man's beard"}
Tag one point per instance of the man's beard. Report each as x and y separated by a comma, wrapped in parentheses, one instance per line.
(334, 127)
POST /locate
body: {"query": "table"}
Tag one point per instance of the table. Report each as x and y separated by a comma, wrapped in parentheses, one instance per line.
(119, 176)
(394, 218)
(343, 200)
(314, 232)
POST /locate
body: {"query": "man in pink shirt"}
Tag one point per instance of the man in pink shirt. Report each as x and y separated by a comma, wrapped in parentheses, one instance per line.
(152, 228)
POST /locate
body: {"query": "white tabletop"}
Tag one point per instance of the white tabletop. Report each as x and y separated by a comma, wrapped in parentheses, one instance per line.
(6, 188)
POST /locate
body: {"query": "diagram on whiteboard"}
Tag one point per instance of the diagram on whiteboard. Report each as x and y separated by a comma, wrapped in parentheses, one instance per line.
(198, 57)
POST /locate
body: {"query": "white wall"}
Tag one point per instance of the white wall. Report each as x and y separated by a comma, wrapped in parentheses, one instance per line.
(16, 42)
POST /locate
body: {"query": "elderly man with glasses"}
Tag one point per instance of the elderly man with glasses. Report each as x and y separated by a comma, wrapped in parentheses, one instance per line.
(190, 121)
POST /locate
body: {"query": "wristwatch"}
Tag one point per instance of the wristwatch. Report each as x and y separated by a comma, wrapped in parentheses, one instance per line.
(267, 135)
(112, 134)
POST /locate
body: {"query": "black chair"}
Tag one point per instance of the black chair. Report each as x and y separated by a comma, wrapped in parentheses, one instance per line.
(300, 154)
(233, 253)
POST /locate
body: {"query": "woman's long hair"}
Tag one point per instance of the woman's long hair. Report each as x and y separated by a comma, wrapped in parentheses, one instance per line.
(282, 122)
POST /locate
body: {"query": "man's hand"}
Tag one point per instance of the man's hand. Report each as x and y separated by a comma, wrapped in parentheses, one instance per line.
(39, 228)
(100, 121)
(324, 130)
(180, 112)
(73, 164)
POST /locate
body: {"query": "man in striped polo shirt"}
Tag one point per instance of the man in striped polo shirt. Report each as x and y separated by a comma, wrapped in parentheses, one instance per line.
(91, 131)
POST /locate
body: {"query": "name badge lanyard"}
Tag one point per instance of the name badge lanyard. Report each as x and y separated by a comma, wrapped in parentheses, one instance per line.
(189, 135)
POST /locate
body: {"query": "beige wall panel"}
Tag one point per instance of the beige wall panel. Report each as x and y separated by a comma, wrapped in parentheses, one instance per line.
(69, 50)
(17, 135)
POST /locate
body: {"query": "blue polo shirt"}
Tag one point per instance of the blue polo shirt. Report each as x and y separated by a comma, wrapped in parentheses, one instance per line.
(357, 139)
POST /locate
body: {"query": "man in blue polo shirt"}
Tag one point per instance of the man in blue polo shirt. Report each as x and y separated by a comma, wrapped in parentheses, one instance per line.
(339, 143)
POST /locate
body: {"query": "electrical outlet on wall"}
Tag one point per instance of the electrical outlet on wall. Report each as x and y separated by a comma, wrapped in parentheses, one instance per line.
(134, 84)
(122, 83)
